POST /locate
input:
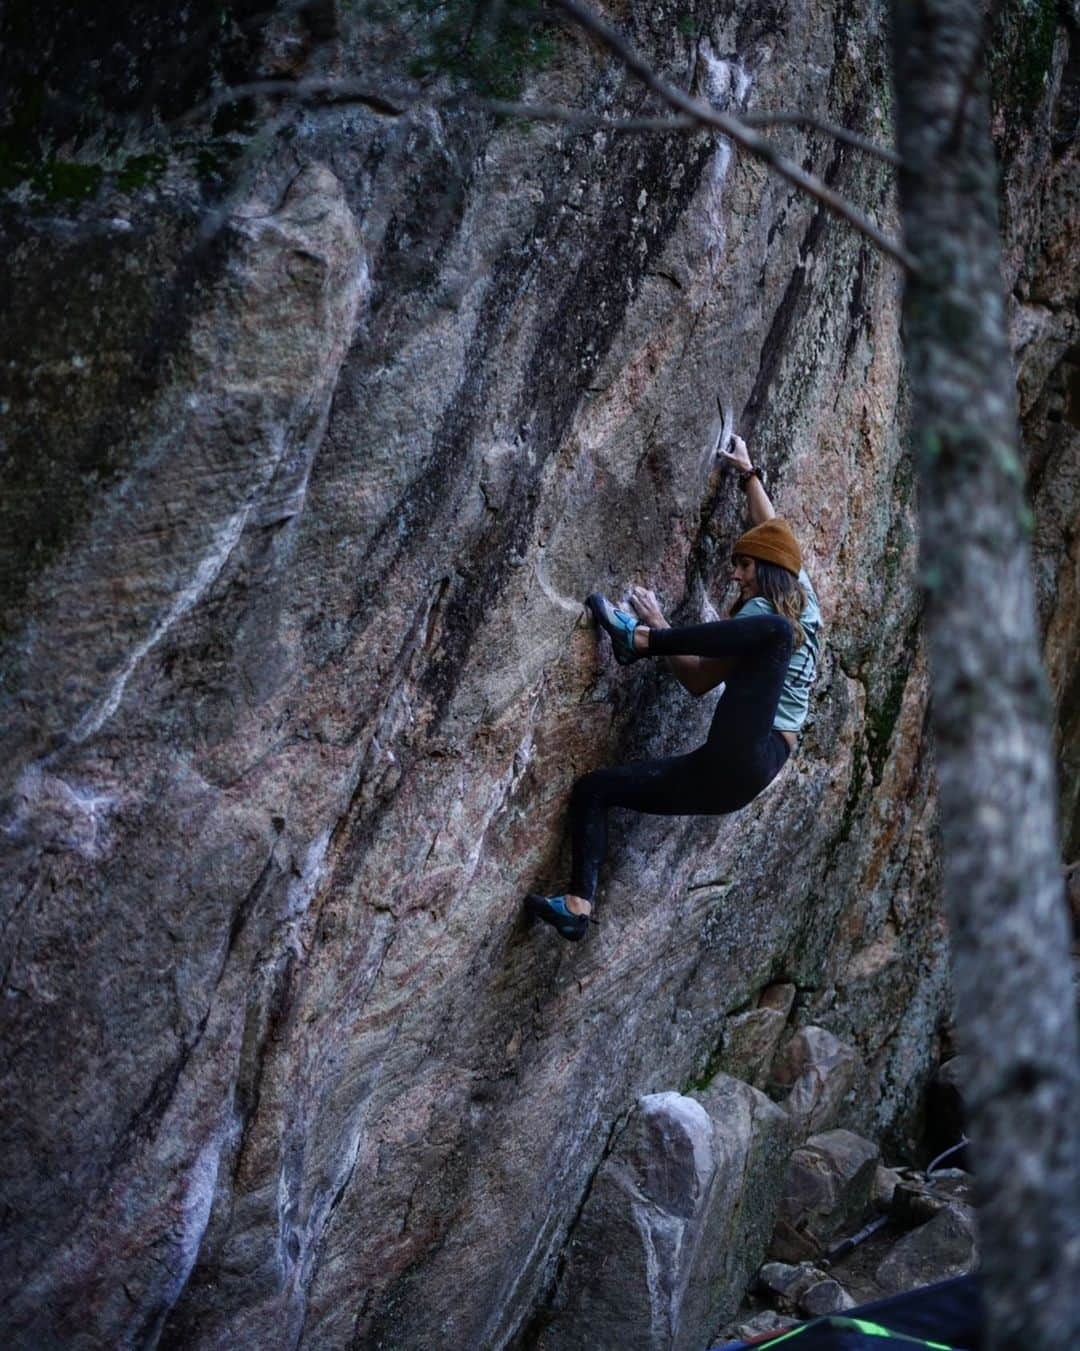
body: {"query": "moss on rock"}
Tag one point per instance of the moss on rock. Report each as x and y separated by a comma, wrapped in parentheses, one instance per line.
(1021, 55)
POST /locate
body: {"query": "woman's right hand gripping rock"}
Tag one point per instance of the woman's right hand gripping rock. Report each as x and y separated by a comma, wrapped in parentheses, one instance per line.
(647, 608)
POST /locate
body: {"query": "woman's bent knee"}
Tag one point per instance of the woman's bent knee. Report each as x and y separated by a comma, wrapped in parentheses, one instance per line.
(784, 632)
(589, 789)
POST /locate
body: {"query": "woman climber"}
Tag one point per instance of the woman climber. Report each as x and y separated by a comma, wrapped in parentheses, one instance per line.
(766, 655)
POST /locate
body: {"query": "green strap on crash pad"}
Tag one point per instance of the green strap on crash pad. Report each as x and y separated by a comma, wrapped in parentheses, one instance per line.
(861, 1325)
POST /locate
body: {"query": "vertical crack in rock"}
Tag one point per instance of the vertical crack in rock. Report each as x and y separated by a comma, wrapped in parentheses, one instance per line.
(773, 348)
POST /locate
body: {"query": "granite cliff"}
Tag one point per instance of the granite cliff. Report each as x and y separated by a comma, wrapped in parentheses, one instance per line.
(307, 470)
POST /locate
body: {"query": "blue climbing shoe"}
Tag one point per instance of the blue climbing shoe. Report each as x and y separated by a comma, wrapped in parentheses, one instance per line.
(619, 625)
(552, 910)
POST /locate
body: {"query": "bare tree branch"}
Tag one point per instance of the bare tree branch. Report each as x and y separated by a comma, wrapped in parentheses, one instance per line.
(333, 90)
(731, 127)
(691, 113)
(574, 117)
(396, 105)
(833, 129)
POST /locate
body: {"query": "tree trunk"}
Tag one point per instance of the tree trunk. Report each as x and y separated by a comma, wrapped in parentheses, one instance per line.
(991, 712)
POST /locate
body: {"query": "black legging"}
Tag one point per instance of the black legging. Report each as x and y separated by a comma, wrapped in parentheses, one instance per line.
(743, 753)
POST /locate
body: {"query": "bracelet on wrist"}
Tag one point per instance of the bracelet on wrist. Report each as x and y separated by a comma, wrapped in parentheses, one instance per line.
(745, 475)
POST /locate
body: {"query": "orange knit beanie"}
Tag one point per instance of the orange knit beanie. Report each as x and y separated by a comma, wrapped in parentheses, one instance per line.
(772, 542)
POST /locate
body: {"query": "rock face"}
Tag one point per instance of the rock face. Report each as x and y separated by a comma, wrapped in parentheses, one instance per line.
(751, 1038)
(302, 486)
(1041, 219)
(674, 1224)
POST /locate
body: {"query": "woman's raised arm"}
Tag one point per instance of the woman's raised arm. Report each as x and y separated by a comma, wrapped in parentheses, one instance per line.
(761, 509)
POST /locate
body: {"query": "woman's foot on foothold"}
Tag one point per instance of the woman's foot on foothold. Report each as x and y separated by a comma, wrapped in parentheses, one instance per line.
(552, 910)
(619, 625)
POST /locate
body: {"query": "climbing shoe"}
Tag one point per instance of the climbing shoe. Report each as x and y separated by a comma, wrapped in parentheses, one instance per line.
(552, 910)
(619, 625)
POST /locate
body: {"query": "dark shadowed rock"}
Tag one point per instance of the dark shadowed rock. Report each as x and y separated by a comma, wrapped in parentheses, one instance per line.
(914, 1203)
(939, 1249)
(827, 1189)
(1072, 894)
(946, 1116)
(886, 1181)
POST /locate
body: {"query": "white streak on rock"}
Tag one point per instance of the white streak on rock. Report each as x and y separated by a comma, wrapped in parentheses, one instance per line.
(302, 888)
(58, 814)
(205, 575)
(661, 1241)
(563, 602)
(726, 85)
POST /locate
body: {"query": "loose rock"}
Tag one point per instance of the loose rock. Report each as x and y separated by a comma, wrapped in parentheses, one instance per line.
(766, 1321)
(818, 1070)
(750, 1041)
(825, 1297)
(788, 1283)
(827, 1189)
(884, 1188)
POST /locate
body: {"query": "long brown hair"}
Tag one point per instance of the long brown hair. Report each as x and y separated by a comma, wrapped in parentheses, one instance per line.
(781, 588)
